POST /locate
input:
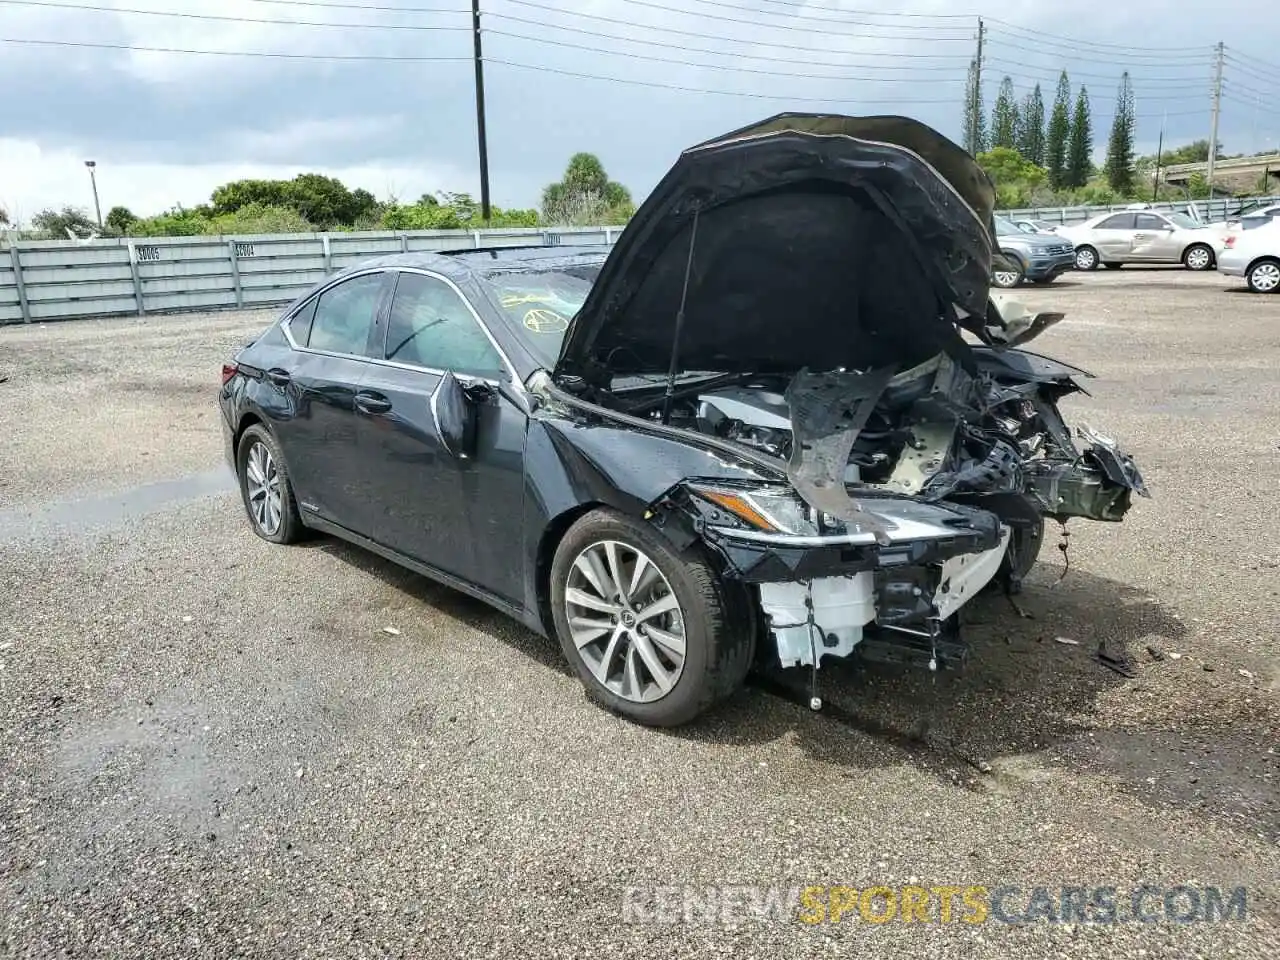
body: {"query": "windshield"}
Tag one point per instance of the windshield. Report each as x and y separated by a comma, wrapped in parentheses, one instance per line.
(541, 303)
(1182, 220)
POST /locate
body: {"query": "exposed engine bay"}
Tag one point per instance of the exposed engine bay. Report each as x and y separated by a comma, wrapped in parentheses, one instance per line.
(916, 490)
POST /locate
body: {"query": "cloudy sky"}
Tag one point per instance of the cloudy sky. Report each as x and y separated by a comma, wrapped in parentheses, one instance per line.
(381, 93)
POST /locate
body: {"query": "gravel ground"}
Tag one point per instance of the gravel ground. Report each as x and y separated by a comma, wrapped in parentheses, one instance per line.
(210, 747)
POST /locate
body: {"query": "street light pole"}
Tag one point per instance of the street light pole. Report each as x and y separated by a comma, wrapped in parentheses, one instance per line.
(97, 209)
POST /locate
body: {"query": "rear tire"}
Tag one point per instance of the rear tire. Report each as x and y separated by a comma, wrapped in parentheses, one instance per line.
(716, 644)
(265, 488)
(1086, 258)
(1264, 276)
(1198, 256)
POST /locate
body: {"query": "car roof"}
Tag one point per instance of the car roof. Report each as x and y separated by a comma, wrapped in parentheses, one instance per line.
(480, 261)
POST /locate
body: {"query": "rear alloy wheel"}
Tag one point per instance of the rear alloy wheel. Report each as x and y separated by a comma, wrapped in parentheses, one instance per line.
(1197, 257)
(648, 630)
(265, 488)
(1264, 277)
(1086, 258)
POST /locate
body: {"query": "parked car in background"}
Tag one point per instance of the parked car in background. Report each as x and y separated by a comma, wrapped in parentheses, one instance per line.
(1036, 226)
(1251, 220)
(1255, 255)
(1141, 236)
(1038, 257)
(748, 433)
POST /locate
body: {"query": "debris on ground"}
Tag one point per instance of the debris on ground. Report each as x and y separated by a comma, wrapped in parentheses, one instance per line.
(1175, 656)
(1245, 673)
(391, 631)
(1208, 667)
(1156, 653)
(1119, 662)
(1068, 641)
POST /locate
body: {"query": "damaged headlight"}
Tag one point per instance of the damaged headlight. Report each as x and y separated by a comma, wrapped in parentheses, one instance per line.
(774, 510)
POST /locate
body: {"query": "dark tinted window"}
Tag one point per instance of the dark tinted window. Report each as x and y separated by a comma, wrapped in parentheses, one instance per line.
(431, 326)
(344, 315)
(1149, 221)
(300, 325)
(1121, 221)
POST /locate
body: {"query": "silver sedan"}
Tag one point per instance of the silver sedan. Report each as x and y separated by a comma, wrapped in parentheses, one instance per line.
(1142, 236)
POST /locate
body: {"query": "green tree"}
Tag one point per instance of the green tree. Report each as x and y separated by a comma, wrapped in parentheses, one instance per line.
(1004, 117)
(1059, 131)
(1120, 156)
(4, 217)
(1031, 127)
(1017, 179)
(230, 197)
(120, 219)
(975, 120)
(55, 224)
(1080, 143)
(586, 196)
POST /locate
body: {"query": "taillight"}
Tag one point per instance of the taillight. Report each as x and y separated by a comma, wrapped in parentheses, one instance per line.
(229, 370)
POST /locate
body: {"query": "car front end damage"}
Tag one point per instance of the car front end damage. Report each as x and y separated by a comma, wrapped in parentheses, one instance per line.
(904, 496)
(805, 295)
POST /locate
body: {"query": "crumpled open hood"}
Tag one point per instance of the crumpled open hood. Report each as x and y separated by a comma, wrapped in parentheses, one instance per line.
(818, 241)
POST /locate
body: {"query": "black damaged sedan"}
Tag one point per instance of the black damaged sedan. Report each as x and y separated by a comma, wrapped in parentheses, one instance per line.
(782, 419)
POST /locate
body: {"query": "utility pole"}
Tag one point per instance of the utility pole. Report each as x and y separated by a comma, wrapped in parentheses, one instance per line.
(975, 94)
(1217, 108)
(480, 131)
(1155, 186)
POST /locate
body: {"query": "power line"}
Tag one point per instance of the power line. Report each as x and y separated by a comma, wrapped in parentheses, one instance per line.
(1250, 71)
(1183, 81)
(730, 93)
(227, 19)
(877, 13)
(720, 66)
(1087, 44)
(235, 53)
(667, 45)
(827, 24)
(826, 21)
(1060, 49)
(675, 31)
(488, 60)
(1264, 64)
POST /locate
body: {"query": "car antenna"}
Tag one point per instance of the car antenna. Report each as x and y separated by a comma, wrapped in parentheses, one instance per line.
(675, 337)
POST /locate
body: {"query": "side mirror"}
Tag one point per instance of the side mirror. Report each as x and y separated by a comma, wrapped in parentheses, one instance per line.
(455, 408)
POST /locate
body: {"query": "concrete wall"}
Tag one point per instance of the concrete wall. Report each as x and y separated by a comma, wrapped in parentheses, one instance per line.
(43, 280)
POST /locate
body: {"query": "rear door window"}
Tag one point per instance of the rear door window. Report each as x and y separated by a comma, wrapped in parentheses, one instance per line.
(344, 315)
(1121, 221)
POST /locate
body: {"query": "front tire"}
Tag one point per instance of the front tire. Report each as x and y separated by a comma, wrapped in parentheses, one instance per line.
(1086, 258)
(1264, 276)
(265, 488)
(1007, 279)
(650, 632)
(1198, 256)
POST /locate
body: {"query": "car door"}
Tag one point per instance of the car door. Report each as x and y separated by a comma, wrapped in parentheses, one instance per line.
(1114, 237)
(330, 335)
(1154, 240)
(459, 514)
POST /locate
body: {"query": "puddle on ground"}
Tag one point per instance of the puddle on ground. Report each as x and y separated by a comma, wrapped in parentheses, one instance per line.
(62, 518)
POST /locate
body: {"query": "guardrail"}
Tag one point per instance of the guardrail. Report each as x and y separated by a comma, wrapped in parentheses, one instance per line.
(43, 280)
(1207, 211)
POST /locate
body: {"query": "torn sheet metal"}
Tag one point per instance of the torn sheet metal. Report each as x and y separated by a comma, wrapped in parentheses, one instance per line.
(828, 411)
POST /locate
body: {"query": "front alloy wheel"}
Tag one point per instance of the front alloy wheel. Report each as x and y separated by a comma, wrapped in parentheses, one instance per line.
(653, 632)
(626, 622)
(1086, 259)
(1264, 277)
